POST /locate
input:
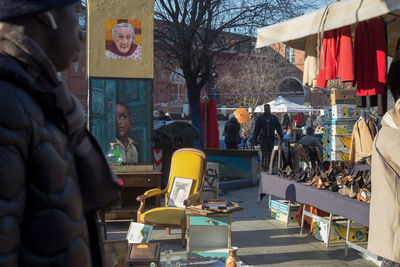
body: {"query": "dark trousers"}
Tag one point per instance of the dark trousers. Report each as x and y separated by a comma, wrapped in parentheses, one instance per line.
(266, 145)
(312, 153)
(231, 146)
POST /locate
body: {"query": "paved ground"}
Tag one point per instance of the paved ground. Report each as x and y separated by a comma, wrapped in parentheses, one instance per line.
(262, 241)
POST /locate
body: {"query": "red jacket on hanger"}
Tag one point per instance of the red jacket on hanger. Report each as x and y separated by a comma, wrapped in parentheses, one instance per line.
(336, 57)
(345, 56)
(370, 57)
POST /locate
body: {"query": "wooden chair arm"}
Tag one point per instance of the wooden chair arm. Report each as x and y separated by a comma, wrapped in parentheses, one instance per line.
(142, 199)
(150, 193)
(193, 198)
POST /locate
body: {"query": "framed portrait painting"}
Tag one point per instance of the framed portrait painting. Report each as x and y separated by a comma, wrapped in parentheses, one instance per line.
(121, 113)
(123, 39)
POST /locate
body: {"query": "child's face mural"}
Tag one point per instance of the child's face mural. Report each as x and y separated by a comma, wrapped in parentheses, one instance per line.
(123, 121)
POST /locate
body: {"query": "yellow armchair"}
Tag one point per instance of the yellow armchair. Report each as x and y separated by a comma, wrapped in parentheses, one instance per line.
(190, 165)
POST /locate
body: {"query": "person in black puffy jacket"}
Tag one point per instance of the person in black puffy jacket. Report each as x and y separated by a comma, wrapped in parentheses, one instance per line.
(232, 132)
(264, 130)
(54, 175)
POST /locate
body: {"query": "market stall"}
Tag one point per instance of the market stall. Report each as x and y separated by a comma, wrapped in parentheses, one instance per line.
(341, 58)
(281, 104)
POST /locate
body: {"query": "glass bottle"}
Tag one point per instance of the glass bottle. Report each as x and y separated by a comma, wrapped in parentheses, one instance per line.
(232, 258)
(114, 157)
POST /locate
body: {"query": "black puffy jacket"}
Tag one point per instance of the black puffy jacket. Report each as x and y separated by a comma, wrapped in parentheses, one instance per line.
(232, 131)
(43, 218)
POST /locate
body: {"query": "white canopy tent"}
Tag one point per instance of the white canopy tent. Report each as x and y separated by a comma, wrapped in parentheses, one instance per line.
(335, 15)
(281, 104)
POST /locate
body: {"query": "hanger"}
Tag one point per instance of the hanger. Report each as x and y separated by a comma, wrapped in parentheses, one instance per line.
(394, 15)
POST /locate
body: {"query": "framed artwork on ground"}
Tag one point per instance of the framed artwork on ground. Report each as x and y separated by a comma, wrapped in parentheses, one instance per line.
(179, 192)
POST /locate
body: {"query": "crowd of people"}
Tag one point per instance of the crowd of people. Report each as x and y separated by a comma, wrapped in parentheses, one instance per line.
(267, 131)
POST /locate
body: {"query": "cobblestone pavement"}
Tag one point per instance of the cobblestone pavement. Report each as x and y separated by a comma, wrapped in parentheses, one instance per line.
(262, 240)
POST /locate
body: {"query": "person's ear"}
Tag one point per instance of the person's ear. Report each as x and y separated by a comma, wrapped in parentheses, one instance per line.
(47, 18)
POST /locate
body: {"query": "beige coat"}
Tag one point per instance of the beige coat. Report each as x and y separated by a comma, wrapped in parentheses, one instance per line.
(361, 142)
(310, 62)
(384, 232)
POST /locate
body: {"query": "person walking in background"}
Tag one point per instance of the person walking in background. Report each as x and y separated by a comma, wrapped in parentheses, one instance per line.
(313, 147)
(162, 116)
(251, 124)
(54, 176)
(287, 122)
(264, 130)
(232, 132)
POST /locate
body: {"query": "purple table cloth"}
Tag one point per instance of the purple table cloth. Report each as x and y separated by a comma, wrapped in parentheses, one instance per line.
(331, 202)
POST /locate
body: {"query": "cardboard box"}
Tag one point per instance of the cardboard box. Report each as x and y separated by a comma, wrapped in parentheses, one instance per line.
(326, 156)
(342, 112)
(341, 142)
(338, 231)
(340, 155)
(336, 147)
(279, 209)
(282, 216)
(336, 142)
(339, 126)
(327, 143)
(340, 96)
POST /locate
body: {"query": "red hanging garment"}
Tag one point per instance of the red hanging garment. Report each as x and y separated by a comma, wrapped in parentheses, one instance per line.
(345, 56)
(212, 124)
(327, 59)
(336, 57)
(370, 57)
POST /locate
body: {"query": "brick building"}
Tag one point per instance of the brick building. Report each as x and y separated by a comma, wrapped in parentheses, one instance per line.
(169, 92)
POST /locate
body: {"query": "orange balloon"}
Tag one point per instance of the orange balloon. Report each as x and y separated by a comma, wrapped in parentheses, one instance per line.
(241, 115)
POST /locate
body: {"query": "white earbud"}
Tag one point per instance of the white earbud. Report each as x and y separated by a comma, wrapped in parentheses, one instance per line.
(52, 20)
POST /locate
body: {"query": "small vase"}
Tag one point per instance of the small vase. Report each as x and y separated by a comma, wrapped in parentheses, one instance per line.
(232, 258)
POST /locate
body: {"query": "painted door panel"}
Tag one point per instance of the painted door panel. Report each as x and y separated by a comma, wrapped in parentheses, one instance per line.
(103, 111)
(136, 95)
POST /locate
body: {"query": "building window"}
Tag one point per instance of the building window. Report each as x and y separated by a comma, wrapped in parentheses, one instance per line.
(289, 54)
(162, 74)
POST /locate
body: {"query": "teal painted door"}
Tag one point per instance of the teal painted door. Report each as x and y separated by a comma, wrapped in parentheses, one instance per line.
(136, 95)
(103, 100)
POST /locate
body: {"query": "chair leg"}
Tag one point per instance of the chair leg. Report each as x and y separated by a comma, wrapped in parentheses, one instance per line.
(183, 231)
(168, 230)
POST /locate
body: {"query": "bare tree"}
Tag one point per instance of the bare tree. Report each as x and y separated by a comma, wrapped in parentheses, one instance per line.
(83, 16)
(190, 33)
(253, 79)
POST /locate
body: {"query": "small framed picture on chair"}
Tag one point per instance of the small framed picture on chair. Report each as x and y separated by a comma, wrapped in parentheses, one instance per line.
(179, 192)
